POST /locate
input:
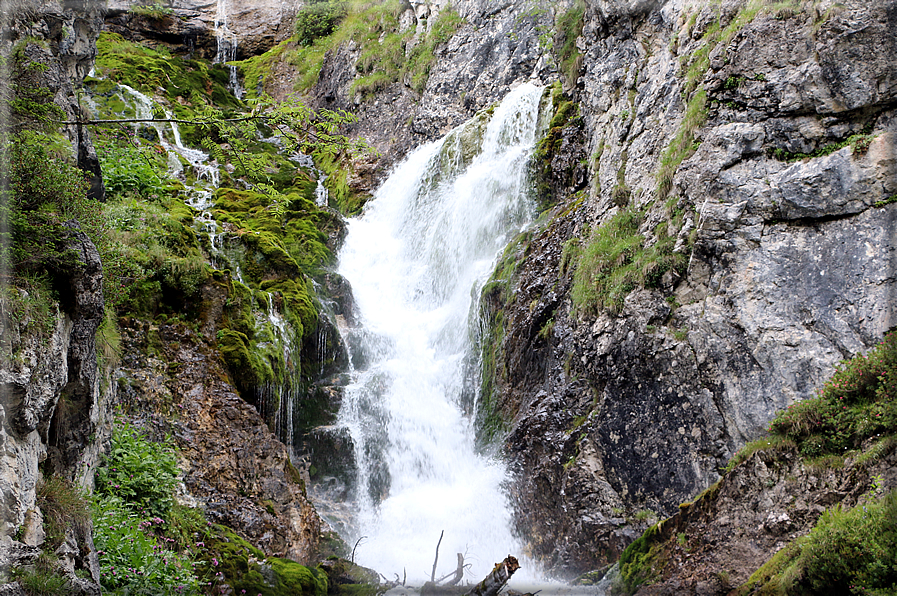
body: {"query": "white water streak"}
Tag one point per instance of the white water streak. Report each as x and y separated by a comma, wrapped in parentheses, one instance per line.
(427, 240)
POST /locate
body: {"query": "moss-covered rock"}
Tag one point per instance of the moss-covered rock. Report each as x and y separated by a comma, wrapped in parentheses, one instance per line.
(247, 571)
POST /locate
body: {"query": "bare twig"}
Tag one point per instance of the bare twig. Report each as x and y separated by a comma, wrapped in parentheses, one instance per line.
(436, 559)
(357, 542)
(457, 573)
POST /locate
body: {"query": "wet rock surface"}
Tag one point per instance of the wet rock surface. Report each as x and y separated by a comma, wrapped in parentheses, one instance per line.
(190, 27)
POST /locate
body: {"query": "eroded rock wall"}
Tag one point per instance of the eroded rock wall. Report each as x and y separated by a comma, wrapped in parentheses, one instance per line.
(790, 259)
(173, 382)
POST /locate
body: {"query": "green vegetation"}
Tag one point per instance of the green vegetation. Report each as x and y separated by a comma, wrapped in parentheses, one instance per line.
(771, 443)
(640, 562)
(860, 401)
(154, 11)
(885, 202)
(155, 261)
(248, 571)
(568, 27)
(149, 545)
(195, 82)
(850, 551)
(491, 421)
(683, 145)
(63, 507)
(566, 114)
(859, 144)
(44, 192)
(695, 66)
(138, 471)
(318, 19)
(324, 26)
(134, 557)
(615, 261)
(42, 578)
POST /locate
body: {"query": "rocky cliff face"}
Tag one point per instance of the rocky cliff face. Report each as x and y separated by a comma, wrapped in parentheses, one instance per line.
(753, 145)
(67, 53)
(173, 382)
(496, 47)
(53, 414)
(190, 27)
(786, 224)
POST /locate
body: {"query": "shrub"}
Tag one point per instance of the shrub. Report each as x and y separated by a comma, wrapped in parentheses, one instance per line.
(850, 551)
(138, 471)
(858, 402)
(130, 169)
(318, 19)
(44, 192)
(152, 11)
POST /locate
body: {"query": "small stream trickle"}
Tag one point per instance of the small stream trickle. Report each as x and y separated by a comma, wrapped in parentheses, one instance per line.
(227, 47)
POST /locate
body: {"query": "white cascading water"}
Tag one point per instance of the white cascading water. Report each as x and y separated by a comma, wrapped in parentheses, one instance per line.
(415, 259)
(227, 47)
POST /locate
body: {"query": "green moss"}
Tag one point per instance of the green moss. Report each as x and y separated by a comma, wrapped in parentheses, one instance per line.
(281, 245)
(158, 243)
(640, 562)
(347, 200)
(248, 368)
(148, 69)
(247, 571)
(885, 202)
(491, 420)
(565, 114)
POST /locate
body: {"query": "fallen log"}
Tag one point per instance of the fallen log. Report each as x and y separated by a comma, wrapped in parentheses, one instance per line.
(496, 579)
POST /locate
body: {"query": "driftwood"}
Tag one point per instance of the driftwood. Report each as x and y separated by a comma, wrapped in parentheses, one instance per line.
(497, 579)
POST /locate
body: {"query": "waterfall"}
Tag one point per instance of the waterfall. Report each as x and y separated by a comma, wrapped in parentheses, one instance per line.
(423, 248)
(227, 47)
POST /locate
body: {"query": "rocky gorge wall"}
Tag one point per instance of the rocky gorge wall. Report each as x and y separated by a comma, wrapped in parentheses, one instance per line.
(58, 392)
(753, 143)
(785, 223)
(54, 414)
